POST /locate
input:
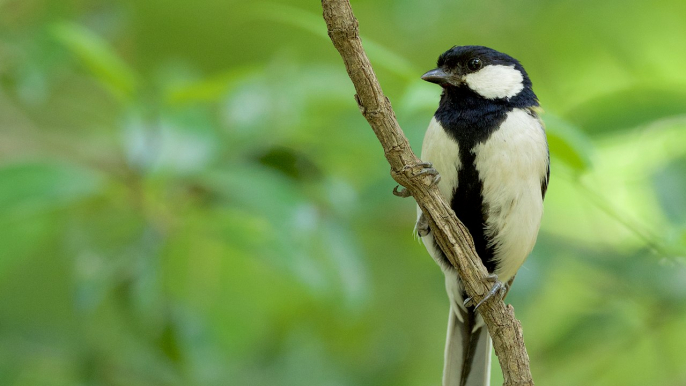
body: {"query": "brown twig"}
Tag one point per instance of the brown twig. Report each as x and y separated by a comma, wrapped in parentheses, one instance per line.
(450, 234)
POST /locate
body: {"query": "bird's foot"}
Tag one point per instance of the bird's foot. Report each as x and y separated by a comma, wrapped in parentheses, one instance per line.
(498, 288)
(427, 168)
(402, 192)
(422, 226)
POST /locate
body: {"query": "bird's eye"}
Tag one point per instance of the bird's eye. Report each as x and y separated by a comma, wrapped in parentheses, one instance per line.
(474, 64)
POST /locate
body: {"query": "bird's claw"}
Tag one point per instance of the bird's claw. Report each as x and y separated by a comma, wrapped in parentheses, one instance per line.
(402, 192)
(422, 226)
(427, 168)
(498, 289)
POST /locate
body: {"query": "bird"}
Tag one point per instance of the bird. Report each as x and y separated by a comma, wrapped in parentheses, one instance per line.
(488, 149)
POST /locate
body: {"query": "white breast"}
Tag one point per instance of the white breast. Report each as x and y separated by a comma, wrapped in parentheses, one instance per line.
(511, 165)
(444, 153)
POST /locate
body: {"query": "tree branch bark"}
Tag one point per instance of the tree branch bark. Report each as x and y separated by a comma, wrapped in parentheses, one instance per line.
(450, 234)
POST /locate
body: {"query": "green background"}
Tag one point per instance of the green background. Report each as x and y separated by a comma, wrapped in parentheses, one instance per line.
(190, 196)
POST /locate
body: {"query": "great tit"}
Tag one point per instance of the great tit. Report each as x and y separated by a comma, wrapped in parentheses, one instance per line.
(489, 147)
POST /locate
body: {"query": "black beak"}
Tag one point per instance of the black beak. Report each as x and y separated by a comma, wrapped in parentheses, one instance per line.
(437, 76)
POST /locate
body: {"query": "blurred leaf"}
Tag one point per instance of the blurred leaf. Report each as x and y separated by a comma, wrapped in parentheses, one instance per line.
(627, 109)
(269, 196)
(99, 57)
(291, 163)
(209, 89)
(419, 96)
(22, 239)
(29, 188)
(378, 54)
(568, 143)
(391, 61)
(346, 260)
(179, 142)
(258, 189)
(670, 188)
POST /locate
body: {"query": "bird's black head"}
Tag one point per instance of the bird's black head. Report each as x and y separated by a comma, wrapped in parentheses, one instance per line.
(486, 72)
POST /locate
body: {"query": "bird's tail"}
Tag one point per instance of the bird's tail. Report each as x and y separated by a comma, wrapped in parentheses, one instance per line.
(467, 349)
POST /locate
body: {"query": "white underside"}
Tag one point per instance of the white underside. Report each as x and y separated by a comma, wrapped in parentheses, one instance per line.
(444, 153)
(511, 165)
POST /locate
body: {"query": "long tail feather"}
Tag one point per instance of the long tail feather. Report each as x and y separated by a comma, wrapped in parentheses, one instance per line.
(467, 350)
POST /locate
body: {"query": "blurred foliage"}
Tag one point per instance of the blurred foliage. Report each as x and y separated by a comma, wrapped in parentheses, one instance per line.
(189, 195)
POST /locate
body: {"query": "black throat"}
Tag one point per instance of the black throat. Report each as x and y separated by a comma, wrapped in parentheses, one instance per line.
(470, 120)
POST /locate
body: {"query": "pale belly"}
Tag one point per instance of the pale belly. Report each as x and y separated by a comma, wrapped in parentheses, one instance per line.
(511, 164)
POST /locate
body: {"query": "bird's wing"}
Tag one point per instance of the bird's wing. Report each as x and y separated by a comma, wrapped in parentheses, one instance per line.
(536, 112)
(544, 181)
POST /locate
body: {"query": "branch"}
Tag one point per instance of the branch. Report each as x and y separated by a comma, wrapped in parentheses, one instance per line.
(450, 234)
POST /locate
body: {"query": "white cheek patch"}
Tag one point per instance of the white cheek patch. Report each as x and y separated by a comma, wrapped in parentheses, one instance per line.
(496, 81)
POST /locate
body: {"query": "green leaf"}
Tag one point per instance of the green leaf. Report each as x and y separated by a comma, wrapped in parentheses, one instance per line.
(378, 54)
(627, 109)
(345, 261)
(33, 187)
(29, 195)
(670, 188)
(567, 143)
(419, 96)
(209, 89)
(98, 57)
